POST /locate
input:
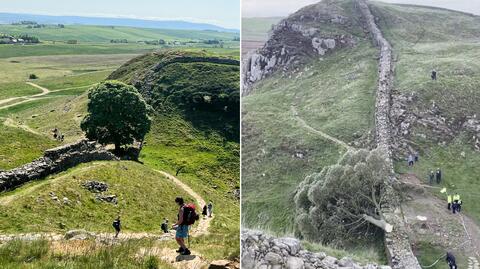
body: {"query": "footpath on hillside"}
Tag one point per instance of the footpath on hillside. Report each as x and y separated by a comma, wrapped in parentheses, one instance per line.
(430, 221)
(166, 254)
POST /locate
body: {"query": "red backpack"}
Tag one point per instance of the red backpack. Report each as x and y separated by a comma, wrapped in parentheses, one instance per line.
(189, 214)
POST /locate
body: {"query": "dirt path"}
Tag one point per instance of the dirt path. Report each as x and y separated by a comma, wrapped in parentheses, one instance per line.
(167, 254)
(6, 103)
(11, 123)
(313, 130)
(429, 220)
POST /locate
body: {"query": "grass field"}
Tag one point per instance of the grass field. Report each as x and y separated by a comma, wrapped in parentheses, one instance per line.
(99, 34)
(334, 95)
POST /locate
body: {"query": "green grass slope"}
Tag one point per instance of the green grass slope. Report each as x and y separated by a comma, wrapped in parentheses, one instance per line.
(448, 42)
(145, 198)
(334, 95)
(91, 33)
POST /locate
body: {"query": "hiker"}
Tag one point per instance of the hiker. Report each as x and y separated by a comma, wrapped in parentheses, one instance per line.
(431, 177)
(434, 74)
(410, 160)
(456, 199)
(210, 209)
(186, 217)
(164, 225)
(449, 201)
(416, 156)
(117, 226)
(451, 261)
(204, 211)
(438, 175)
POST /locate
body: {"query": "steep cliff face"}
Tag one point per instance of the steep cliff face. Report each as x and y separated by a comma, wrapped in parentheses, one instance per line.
(310, 33)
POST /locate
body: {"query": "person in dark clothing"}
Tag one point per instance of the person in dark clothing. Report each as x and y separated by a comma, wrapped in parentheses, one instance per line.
(416, 156)
(117, 226)
(181, 228)
(164, 225)
(438, 175)
(434, 75)
(431, 177)
(410, 160)
(204, 211)
(451, 261)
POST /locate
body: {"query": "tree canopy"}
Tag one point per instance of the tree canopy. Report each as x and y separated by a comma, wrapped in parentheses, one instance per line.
(117, 114)
(344, 200)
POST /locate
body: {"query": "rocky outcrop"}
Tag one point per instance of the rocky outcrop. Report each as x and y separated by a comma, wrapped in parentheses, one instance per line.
(397, 243)
(260, 251)
(54, 161)
(410, 119)
(296, 40)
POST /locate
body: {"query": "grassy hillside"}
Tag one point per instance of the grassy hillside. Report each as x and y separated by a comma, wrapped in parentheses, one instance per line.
(335, 96)
(91, 33)
(448, 42)
(145, 198)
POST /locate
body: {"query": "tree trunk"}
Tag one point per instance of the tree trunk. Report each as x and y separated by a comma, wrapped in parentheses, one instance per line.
(379, 223)
(117, 148)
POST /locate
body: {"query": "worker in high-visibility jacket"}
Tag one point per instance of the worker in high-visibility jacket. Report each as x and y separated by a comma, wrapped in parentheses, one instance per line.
(456, 198)
(449, 201)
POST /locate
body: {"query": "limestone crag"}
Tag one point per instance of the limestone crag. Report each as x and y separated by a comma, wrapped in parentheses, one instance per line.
(260, 251)
(54, 160)
(296, 40)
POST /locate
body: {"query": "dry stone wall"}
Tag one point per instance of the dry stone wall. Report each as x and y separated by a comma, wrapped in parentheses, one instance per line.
(397, 243)
(260, 251)
(53, 161)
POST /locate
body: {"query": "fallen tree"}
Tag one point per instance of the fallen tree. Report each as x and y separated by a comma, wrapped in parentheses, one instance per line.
(344, 201)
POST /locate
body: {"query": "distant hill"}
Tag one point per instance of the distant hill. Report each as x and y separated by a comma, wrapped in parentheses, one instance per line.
(8, 18)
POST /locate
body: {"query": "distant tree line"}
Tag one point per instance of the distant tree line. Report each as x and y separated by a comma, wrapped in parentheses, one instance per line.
(119, 41)
(23, 38)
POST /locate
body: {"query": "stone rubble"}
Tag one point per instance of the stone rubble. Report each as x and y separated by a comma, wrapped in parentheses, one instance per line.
(260, 251)
(95, 186)
(54, 160)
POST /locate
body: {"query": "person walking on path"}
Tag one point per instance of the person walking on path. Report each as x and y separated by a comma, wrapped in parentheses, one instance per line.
(451, 261)
(434, 74)
(164, 225)
(410, 160)
(204, 211)
(438, 175)
(117, 226)
(431, 177)
(210, 209)
(181, 228)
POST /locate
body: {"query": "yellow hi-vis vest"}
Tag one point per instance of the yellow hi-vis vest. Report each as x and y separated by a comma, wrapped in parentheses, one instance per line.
(449, 199)
(456, 197)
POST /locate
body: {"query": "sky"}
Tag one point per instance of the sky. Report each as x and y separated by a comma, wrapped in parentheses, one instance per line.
(225, 13)
(274, 8)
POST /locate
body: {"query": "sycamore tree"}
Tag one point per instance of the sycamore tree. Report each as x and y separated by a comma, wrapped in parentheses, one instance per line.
(117, 114)
(344, 201)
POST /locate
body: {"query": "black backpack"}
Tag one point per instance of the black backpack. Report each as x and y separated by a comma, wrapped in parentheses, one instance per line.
(189, 214)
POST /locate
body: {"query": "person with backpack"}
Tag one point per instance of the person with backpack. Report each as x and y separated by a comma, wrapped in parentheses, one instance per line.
(117, 226)
(164, 225)
(186, 217)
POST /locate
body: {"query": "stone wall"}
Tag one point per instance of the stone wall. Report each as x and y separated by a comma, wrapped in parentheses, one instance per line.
(260, 251)
(53, 161)
(397, 243)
